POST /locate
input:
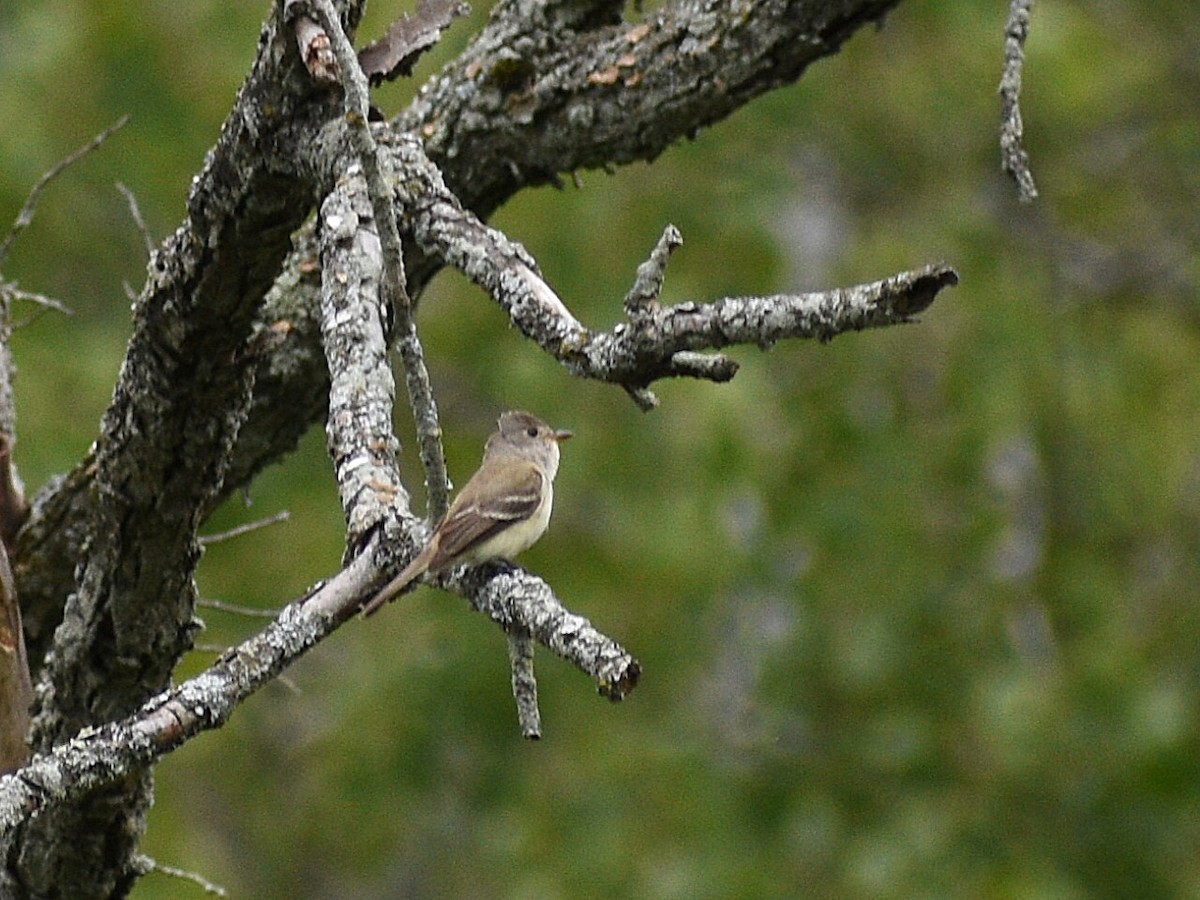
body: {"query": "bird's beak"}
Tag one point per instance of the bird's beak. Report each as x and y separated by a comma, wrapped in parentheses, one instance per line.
(560, 436)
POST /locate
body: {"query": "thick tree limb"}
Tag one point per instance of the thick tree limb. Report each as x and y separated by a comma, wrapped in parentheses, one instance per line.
(158, 466)
(362, 393)
(574, 87)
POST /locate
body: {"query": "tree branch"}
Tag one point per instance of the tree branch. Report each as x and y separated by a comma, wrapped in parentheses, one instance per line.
(519, 601)
(159, 464)
(362, 392)
(100, 756)
(576, 87)
(1013, 158)
(658, 342)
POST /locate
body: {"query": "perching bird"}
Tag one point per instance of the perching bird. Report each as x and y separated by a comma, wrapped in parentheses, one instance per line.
(502, 510)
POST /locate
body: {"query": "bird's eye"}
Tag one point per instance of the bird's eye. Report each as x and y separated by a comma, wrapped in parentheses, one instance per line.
(531, 431)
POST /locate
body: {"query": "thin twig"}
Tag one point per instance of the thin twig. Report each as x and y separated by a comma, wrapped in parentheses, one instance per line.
(136, 212)
(524, 684)
(207, 539)
(25, 216)
(207, 647)
(1013, 158)
(16, 293)
(235, 608)
(285, 681)
(425, 416)
(147, 864)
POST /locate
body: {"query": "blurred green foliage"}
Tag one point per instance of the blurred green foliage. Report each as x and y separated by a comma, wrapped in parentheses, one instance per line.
(917, 610)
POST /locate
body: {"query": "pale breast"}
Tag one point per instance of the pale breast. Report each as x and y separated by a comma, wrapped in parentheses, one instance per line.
(517, 537)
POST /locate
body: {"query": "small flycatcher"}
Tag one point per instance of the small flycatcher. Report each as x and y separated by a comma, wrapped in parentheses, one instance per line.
(502, 510)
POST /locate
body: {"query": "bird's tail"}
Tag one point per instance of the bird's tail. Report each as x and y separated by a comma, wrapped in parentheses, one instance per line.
(410, 573)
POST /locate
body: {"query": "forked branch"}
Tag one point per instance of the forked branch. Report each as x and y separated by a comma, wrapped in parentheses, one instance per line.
(657, 341)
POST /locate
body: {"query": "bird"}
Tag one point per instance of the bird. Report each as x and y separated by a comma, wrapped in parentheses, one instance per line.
(502, 510)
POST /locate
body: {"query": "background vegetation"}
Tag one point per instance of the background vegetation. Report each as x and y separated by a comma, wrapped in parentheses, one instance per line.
(917, 609)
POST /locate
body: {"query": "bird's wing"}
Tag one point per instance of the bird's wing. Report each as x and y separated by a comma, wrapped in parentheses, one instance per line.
(473, 517)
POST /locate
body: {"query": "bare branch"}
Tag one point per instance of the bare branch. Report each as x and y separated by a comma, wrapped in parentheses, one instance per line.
(12, 292)
(666, 342)
(147, 865)
(524, 684)
(519, 602)
(1013, 158)
(237, 609)
(397, 51)
(25, 216)
(362, 391)
(136, 212)
(659, 342)
(282, 516)
(100, 755)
